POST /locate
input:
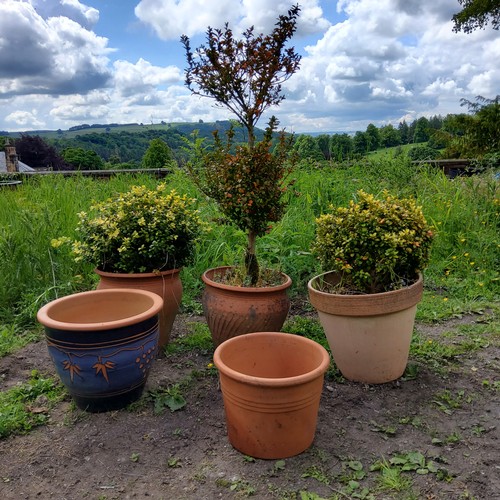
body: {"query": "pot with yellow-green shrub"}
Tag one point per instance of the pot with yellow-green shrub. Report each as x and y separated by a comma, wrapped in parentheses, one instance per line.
(140, 239)
(373, 253)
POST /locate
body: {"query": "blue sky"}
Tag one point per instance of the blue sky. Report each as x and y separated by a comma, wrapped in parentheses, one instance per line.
(68, 62)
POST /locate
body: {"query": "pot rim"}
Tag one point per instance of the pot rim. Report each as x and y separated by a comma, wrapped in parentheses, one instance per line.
(108, 274)
(266, 381)
(369, 304)
(44, 313)
(243, 289)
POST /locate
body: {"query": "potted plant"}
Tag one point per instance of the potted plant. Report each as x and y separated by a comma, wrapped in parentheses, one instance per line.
(140, 239)
(247, 181)
(374, 252)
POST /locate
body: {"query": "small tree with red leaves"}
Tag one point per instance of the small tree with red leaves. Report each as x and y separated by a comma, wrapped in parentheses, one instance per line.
(245, 76)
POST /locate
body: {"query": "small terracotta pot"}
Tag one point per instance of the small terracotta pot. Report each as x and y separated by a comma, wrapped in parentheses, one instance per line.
(235, 310)
(369, 335)
(166, 284)
(271, 386)
(103, 344)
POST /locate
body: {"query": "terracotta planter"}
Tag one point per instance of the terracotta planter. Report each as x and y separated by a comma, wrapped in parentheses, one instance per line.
(235, 310)
(369, 335)
(271, 386)
(103, 344)
(166, 284)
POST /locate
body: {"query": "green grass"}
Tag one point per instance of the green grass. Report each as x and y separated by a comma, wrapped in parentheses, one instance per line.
(199, 340)
(456, 343)
(28, 405)
(13, 338)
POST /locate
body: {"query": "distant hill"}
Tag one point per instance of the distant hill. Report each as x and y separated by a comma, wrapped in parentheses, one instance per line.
(336, 132)
(204, 128)
(129, 142)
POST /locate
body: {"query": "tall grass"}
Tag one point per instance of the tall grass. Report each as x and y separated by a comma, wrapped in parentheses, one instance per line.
(463, 274)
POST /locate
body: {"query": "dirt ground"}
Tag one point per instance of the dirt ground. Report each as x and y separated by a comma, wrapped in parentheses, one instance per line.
(135, 453)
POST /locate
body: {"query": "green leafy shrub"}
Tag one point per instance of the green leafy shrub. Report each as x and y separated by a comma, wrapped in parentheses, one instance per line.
(422, 153)
(375, 245)
(142, 230)
(247, 185)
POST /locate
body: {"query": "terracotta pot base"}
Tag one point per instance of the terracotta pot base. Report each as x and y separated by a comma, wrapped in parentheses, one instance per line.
(166, 284)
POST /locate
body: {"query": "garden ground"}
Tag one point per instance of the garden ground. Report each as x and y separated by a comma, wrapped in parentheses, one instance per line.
(433, 434)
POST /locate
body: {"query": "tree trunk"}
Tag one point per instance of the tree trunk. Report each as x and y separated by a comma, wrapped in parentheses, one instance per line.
(251, 263)
(251, 136)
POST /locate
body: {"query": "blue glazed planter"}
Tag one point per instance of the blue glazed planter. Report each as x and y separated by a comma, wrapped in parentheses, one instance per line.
(103, 343)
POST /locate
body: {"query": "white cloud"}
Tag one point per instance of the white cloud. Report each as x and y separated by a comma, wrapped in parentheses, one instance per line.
(385, 61)
(82, 108)
(52, 55)
(72, 9)
(142, 77)
(389, 57)
(172, 18)
(262, 14)
(24, 118)
(485, 83)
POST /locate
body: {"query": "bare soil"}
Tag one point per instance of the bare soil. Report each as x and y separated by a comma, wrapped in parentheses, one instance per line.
(135, 453)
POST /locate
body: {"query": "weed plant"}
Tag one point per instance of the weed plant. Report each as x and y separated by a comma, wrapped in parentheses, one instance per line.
(22, 405)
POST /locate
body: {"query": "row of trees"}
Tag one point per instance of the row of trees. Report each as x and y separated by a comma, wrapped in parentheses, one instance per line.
(344, 146)
(39, 154)
(453, 136)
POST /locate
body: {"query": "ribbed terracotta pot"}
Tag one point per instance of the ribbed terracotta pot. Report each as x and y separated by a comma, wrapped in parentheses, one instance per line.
(235, 310)
(271, 385)
(103, 343)
(166, 284)
(369, 335)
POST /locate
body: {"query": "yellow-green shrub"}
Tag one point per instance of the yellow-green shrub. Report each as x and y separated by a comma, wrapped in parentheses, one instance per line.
(374, 244)
(142, 230)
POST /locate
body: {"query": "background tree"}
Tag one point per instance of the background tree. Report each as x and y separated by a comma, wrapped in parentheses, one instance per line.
(472, 135)
(361, 142)
(435, 122)
(307, 148)
(482, 132)
(158, 155)
(404, 132)
(245, 76)
(36, 153)
(341, 146)
(82, 159)
(389, 136)
(421, 133)
(323, 141)
(373, 137)
(476, 14)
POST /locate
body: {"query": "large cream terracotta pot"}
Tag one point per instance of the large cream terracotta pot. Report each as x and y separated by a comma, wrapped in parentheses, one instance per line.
(369, 335)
